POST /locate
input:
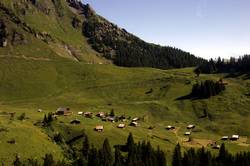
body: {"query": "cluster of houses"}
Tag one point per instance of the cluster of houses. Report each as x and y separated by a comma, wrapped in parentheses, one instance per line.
(187, 133)
(190, 128)
(102, 115)
(134, 122)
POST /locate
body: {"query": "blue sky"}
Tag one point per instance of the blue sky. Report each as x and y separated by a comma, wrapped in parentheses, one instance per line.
(206, 28)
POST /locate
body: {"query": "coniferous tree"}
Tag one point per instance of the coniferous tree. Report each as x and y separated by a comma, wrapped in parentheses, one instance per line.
(131, 148)
(17, 161)
(190, 158)
(33, 162)
(207, 89)
(160, 157)
(45, 120)
(85, 146)
(107, 154)
(204, 157)
(177, 157)
(112, 113)
(93, 157)
(48, 160)
(118, 157)
(240, 65)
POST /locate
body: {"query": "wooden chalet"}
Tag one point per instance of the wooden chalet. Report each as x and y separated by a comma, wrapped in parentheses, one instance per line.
(99, 128)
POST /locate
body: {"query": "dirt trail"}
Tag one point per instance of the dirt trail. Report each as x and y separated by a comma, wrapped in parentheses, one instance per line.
(26, 58)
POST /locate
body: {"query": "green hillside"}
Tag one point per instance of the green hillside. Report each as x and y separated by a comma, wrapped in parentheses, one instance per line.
(37, 30)
(98, 88)
(47, 63)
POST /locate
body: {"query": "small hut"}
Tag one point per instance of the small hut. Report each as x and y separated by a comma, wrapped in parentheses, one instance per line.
(99, 128)
(170, 127)
(121, 126)
(88, 114)
(80, 113)
(135, 119)
(135, 124)
(39, 110)
(224, 138)
(100, 114)
(235, 137)
(191, 126)
(214, 145)
(63, 111)
(111, 119)
(76, 121)
(187, 133)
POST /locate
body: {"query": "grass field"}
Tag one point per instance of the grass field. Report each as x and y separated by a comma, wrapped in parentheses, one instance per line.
(29, 85)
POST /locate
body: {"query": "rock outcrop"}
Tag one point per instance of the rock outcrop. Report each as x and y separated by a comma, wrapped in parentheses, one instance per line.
(88, 11)
(77, 4)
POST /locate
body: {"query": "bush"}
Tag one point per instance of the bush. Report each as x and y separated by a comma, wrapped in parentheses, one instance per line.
(22, 116)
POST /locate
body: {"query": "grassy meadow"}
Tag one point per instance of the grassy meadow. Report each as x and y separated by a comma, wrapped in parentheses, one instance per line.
(27, 85)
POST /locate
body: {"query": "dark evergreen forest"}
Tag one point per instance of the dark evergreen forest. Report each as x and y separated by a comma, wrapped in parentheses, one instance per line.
(240, 65)
(125, 49)
(139, 154)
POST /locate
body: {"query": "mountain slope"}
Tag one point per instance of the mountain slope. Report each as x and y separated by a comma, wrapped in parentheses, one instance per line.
(44, 29)
(70, 29)
(125, 49)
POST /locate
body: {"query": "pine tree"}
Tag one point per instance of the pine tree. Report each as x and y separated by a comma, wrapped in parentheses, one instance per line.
(204, 157)
(17, 161)
(93, 157)
(45, 120)
(190, 158)
(33, 162)
(160, 157)
(131, 148)
(112, 113)
(50, 117)
(118, 157)
(107, 154)
(48, 160)
(130, 142)
(177, 157)
(223, 152)
(82, 159)
(85, 146)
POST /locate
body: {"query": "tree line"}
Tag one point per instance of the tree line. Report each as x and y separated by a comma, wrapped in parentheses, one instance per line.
(128, 50)
(242, 65)
(207, 89)
(130, 154)
(142, 154)
(202, 157)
